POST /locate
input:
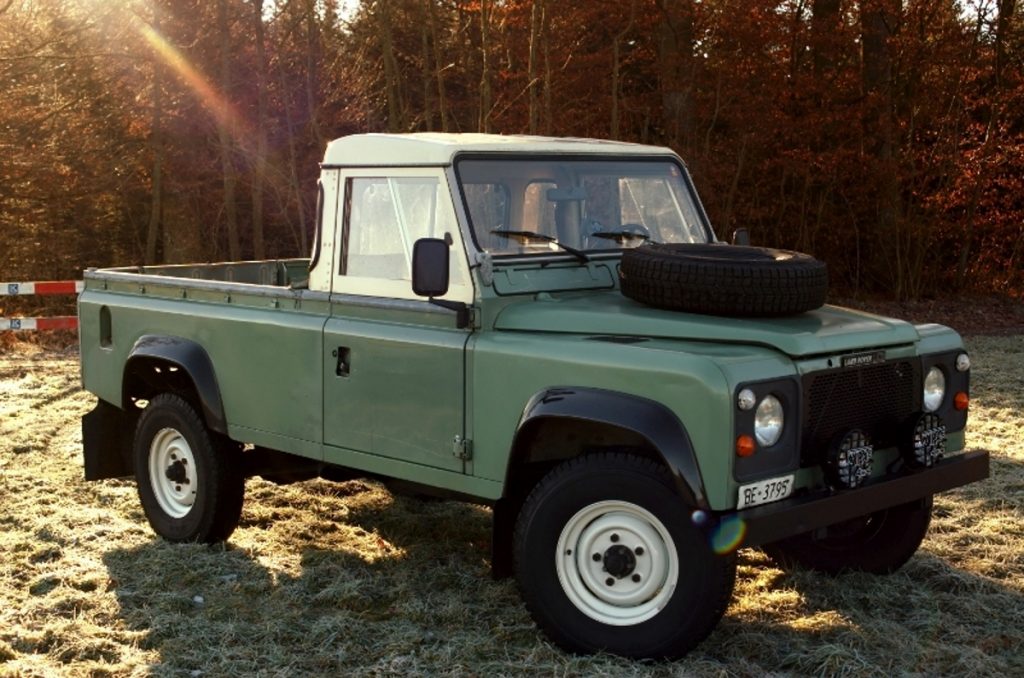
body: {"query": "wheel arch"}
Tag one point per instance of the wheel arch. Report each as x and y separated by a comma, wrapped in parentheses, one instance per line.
(584, 418)
(189, 372)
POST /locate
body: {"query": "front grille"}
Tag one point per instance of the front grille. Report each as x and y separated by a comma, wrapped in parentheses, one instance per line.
(878, 399)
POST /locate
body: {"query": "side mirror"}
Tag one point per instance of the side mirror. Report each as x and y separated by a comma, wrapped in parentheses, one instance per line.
(430, 267)
(741, 236)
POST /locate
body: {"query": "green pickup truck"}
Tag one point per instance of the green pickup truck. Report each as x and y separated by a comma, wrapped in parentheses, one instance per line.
(549, 327)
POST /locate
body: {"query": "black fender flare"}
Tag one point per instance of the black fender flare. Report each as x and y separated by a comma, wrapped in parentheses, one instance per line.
(650, 419)
(192, 359)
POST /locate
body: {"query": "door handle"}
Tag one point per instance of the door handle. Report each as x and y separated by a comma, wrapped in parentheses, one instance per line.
(343, 354)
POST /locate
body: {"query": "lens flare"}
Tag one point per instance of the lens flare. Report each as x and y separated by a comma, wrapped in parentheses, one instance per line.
(217, 104)
(727, 536)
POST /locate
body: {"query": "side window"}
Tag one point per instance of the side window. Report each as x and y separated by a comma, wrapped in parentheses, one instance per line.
(377, 244)
(385, 216)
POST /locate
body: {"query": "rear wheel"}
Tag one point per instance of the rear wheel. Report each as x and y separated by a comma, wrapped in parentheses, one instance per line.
(608, 559)
(190, 482)
(879, 543)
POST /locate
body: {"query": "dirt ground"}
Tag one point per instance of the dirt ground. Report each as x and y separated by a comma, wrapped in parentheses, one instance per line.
(346, 579)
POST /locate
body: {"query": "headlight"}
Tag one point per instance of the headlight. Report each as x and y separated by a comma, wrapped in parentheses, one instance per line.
(934, 389)
(768, 421)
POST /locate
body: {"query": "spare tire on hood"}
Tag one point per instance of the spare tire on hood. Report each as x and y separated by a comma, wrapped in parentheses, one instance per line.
(720, 279)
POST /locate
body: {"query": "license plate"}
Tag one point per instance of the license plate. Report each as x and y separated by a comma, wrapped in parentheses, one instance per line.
(764, 491)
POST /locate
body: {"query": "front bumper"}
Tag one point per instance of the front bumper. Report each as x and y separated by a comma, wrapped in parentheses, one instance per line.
(771, 522)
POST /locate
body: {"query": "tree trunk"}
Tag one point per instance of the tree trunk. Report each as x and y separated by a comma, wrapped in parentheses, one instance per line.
(156, 139)
(260, 161)
(442, 99)
(617, 68)
(878, 21)
(484, 123)
(824, 40)
(226, 135)
(675, 35)
(426, 77)
(546, 41)
(392, 83)
(536, 25)
(295, 188)
(312, 74)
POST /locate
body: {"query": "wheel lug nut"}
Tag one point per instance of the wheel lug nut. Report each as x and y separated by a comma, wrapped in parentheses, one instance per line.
(597, 557)
(568, 552)
(609, 581)
(614, 538)
(639, 550)
(636, 578)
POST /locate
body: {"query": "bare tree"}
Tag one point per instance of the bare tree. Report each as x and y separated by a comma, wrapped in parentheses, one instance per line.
(260, 160)
(878, 25)
(225, 133)
(156, 144)
(675, 34)
(617, 67)
(484, 123)
(536, 26)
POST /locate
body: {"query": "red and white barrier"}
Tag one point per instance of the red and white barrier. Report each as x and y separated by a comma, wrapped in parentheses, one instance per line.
(60, 322)
(51, 287)
(24, 289)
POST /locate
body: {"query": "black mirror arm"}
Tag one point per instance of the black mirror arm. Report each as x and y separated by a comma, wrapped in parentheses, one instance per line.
(460, 307)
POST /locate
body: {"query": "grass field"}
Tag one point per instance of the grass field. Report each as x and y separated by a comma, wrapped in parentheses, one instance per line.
(345, 579)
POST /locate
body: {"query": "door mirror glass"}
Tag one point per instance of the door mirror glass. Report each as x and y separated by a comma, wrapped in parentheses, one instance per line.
(430, 267)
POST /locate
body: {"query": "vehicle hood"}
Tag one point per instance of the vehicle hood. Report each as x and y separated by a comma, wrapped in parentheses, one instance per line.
(828, 330)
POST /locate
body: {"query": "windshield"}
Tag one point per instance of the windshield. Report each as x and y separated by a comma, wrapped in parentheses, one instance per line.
(540, 206)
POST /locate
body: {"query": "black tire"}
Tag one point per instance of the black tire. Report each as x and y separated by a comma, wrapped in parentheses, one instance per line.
(587, 497)
(880, 543)
(718, 279)
(190, 481)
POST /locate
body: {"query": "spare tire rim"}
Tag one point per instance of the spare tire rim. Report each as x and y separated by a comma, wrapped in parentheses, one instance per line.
(172, 472)
(617, 563)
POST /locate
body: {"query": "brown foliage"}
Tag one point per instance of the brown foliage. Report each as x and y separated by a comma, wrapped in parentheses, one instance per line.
(886, 137)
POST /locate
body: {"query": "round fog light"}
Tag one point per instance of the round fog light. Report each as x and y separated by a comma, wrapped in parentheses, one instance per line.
(850, 460)
(928, 443)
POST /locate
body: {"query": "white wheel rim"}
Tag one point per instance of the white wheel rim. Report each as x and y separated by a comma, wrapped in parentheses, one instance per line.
(172, 472)
(641, 582)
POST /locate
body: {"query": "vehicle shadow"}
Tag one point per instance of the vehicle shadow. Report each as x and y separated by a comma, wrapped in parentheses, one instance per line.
(953, 609)
(371, 584)
(358, 591)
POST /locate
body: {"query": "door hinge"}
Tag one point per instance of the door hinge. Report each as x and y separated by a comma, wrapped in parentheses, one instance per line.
(462, 448)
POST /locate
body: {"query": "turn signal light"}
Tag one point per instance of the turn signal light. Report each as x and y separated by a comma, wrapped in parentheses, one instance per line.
(961, 401)
(745, 446)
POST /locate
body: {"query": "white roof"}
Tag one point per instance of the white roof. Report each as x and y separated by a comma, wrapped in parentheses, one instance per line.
(436, 148)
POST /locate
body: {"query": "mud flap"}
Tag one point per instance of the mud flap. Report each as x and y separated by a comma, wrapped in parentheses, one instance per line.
(106, 442)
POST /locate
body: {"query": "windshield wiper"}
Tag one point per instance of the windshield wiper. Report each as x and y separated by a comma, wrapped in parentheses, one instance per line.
(533, 235)
(622, 235)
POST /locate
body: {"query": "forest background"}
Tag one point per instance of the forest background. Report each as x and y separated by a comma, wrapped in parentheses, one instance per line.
(884, 137)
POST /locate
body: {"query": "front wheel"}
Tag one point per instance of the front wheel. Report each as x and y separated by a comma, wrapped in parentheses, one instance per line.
(190, 484)
(608, 559)
(879, 543)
